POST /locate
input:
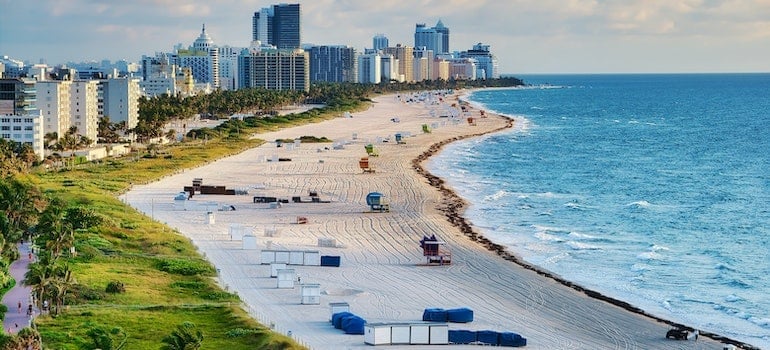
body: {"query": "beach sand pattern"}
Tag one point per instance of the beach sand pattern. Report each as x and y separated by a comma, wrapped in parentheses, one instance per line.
(383, 275)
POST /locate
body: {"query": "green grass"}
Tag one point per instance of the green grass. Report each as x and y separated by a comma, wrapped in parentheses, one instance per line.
(166, 281)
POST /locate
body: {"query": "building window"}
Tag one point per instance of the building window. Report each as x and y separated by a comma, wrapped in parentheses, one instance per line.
(5, 120)
(28, 128)
(17, 120)
(28, 120)
(6, 136)
(6, 128)
(16, 127)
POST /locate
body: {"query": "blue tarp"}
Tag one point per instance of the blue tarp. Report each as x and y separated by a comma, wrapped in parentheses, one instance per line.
(328, 260)
(337, 318)
(460, 315)
(353, 324)
(457, 336)
(511, 339)
(434, 315)
(488, 337)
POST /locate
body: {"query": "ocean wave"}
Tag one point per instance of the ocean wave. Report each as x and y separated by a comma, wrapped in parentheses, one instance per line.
(575, 206)
(658, 248)
(579, 235)
(639, 204)
(733, 298)
(496, 196)
(582, 246)
(548, 237)
(649, 256)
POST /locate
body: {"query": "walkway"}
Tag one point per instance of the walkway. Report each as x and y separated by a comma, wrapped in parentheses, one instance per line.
(16, 318)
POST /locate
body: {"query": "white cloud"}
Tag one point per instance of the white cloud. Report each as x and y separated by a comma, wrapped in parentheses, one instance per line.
(525, 34)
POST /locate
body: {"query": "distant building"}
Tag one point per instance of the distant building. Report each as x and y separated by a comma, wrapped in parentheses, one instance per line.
(428, 38)
(54, 102)
(444, 38)
(278, 25)
(84, 108)
(486, 62)
(120, 100)
(333, 64)
(405, 57)
(202, 58)
(20, 120)
(441, 69)
(462, 68)
(379, 42)
(389, 68)
(274, 69)
(423, 64)
(12, 68)
(65, 103)
(228, 67)
(369, 68)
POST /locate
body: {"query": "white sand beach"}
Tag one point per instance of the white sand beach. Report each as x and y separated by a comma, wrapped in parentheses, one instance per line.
(383, 275)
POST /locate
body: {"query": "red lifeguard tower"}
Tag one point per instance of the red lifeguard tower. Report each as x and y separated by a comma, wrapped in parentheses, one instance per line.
(435, 251)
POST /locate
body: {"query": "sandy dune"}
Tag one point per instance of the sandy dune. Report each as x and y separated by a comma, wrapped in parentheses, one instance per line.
(383, 275)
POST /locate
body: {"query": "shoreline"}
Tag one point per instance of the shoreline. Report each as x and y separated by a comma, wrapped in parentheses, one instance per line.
(382, 276)
(454, 208)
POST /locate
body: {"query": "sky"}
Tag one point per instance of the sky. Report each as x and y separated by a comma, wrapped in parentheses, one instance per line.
(526, 36)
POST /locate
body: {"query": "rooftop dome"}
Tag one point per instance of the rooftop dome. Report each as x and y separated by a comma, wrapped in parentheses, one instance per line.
(204, 42)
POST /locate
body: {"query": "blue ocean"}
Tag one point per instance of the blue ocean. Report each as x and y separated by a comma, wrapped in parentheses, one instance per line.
(651, 189)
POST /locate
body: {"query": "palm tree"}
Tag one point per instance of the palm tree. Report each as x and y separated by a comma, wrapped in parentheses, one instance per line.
(55, 231)
(185, 337)
(19, 204)
(58, 287)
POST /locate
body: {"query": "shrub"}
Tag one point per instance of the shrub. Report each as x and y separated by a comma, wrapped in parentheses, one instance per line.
(184, 267)
(115, 287)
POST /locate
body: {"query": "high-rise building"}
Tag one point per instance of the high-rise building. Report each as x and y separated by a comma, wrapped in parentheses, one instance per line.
(20, 120)
(84, 108)
(389, 68)
(428, 38)
(405, 57)
(333, 64)
(228, 67)
(444, 37)
(278, 25)
(274, 69)
(202, 58)
(486, 62)
(369, 68)
(119, 100)
(54, 98)
(423, 64)
(379, 42)
(261, 25)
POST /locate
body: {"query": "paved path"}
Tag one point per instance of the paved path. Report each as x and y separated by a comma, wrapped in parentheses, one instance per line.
(16, 318)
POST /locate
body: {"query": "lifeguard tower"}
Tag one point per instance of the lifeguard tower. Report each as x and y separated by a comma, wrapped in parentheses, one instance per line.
(363, 163)
(377, 202)
(435, 251)
(471, 121)
(426, 128)
(371, 151)
(400, 139)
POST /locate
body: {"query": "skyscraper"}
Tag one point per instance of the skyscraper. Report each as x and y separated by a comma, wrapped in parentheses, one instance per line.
(444, 37)
(405, 57)
(379, 42)
(333, 63)
(274, 69)
(435, 39)
(278, 25)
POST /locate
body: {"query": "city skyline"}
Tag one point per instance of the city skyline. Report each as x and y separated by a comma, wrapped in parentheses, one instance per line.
(527, 36)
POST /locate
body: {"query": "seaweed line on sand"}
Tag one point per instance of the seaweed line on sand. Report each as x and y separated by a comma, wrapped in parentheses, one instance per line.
(453, 207)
